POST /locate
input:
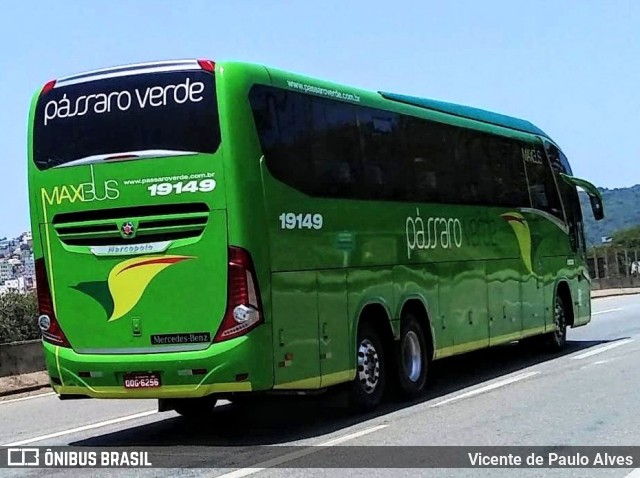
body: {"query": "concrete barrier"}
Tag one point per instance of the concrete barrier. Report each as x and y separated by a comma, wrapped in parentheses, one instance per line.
(597, 293)
(21, 357)
(615, 283)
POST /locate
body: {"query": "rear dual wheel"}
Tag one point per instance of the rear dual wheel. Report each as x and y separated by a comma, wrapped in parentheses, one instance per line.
(412, 358)
(368, 387)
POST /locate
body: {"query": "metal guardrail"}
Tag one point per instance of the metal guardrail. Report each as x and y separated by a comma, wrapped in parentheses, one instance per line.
(612, 268)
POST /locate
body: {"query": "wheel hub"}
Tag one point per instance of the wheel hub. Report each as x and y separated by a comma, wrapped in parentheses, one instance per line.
(412, 356)
(368, 366)
(559, 322)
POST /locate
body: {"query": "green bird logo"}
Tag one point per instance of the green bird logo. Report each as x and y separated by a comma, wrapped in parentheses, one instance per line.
(126, 283)
(521, 229)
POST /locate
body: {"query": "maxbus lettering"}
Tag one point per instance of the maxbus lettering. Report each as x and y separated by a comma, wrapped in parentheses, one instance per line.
(85, 192)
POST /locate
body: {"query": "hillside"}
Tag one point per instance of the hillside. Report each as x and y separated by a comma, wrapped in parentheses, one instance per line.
(621, 209)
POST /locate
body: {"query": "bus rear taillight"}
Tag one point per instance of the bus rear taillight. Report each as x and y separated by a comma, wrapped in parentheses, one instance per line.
(244, 307)
(207, 65)
(49, 326)
(48, 87)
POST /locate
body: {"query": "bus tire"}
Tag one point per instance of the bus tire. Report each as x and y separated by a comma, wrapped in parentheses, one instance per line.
(412, 357)
(194, 408)
(556, 340)
(367, 389)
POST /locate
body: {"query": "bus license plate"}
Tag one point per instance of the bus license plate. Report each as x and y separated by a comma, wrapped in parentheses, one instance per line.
(141, 380)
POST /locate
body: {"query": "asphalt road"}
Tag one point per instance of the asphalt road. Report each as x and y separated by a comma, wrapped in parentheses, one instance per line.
(510, 395)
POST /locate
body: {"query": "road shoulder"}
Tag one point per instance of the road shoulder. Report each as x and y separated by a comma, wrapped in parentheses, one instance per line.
(600, 293)
(28, 382)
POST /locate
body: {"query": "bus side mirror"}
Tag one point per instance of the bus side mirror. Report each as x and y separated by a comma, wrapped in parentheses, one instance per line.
(595, 198)
(596, 207)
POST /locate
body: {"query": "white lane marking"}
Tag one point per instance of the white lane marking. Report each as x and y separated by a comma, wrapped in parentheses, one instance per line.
(351, 436)
(599, 350)
(486, 388)
(597, 362)
(606, 311)
(258, 467)
(30, 397)
(634, 474)
(82, 429)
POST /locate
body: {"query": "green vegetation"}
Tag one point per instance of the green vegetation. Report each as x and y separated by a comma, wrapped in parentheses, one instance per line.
(18, 317)
(627, 238)
(622, 212)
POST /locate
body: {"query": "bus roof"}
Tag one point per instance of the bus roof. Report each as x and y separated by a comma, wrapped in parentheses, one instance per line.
(467, 112)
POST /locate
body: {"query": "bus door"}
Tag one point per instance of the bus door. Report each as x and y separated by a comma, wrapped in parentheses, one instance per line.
(540, 249)
(576, 258)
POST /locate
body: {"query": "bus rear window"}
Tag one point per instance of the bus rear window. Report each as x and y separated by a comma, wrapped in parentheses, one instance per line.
(170, 111)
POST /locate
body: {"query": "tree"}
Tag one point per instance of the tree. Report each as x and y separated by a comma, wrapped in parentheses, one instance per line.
(18, 317)
(627, 238)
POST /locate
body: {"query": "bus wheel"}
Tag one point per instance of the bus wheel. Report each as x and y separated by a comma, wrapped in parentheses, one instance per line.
(368, 387)
(194, 408)
(557, 338)
(413, 364)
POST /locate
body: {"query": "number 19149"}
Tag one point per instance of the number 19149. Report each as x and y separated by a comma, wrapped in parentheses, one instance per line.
(290, 220)
(164, 189)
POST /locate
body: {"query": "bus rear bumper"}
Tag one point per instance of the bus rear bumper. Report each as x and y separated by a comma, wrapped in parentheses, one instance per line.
(221, 368)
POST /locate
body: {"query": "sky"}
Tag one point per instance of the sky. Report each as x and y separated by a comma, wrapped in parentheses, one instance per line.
(570, 67)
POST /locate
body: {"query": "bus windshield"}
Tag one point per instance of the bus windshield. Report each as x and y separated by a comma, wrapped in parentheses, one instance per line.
(162, 113)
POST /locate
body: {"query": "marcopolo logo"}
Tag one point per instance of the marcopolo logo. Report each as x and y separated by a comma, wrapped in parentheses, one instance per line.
(432, 233)
(128, 230)
(85, 192)
(100, 103)
(131, 249)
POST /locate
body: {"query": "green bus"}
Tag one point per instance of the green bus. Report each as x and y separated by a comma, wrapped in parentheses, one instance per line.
(219, 230)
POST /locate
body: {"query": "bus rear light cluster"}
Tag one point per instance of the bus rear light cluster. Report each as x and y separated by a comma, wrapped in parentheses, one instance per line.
(50, 85)
(207, 65)
(47, 321)
(244, 307)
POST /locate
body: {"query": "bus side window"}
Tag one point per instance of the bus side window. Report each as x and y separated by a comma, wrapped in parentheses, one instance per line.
(335, 148)
(542, 187)
(383, 171)
(430, 150)
(569, 194)
(507, 171)
(488, 170)
(264, 116)
(572, 203)
(282, 123)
